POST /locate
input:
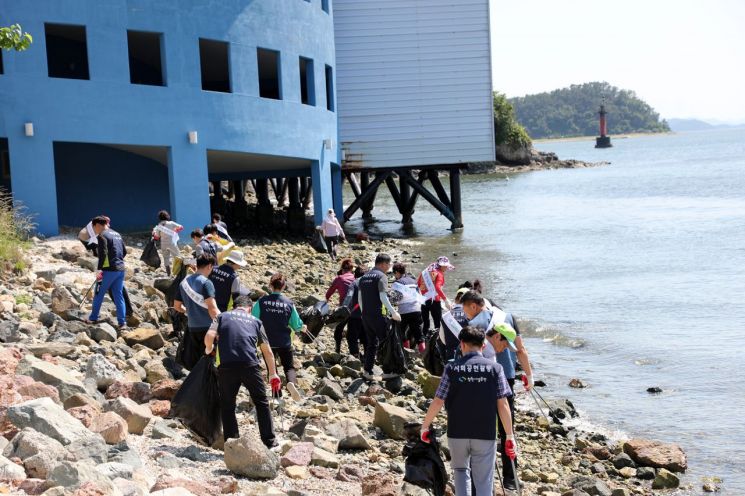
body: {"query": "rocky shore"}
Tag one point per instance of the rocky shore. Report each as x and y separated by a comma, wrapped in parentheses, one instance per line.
(84, 411)
(534, 161)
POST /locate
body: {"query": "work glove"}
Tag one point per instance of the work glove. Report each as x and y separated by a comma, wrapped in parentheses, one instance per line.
(510, 447)
(396, 316)
(448, 304)
(99, 275)
(426, 436)
(276, 383)
(527, 381)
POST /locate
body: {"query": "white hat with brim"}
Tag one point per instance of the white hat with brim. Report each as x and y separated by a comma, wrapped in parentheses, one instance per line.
(236, 257)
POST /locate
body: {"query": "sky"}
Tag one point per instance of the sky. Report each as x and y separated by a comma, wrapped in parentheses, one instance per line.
(686, 58)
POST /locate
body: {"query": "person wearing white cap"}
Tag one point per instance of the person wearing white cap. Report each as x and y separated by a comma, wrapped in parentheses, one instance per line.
(430, 283)
(332, 232)
(225, 278)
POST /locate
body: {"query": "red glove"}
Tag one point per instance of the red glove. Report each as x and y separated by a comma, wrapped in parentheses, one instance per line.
(426, 436)
(156, 237)
(276, 384)
(527, 383)
(510, 448)
(99, 275)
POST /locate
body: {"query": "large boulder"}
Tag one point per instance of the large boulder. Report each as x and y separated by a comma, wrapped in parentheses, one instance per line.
(62, 300)
(391, 419)
(348, 434)
(101, 371)
(76, 475)
(665, 480)
(136, 416)
(656, 454)
(146, 337)
(248, 456)
(11, 471)
(45, 416)
(51, 374)
(39, 453)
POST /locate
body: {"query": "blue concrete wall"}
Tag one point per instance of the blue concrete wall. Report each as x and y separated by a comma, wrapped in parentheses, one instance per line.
(132, 196)
(108, 109)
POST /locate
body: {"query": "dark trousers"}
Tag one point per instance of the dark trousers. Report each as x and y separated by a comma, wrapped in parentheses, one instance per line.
(411, 327)
(355, 336)
(376, 329)
(331, 243)
(507, 466)
(434, 309)
(230, 379)
(339, 334)
(287, 359)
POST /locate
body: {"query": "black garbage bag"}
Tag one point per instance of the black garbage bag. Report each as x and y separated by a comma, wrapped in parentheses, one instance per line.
(150, 255)
(391, 355)
(318, 243)
(197, 402)
(340, 314)
(314, 318)
(424, 466)
(432, 359)
(173, 290)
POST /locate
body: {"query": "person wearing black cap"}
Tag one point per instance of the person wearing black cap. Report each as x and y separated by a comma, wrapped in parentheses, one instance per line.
(238, 335)
(474, 391)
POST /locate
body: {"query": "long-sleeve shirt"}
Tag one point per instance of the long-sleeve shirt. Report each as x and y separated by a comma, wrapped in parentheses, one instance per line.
(166, 239)
(438, 279)
(331, 227)
(341, 284)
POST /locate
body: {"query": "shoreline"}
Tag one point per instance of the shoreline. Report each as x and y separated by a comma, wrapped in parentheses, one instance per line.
(592, 138)
(554, 457)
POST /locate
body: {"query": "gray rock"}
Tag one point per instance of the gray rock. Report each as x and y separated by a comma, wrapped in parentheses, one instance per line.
(412, 490)
(51, 348)
(9, 332)
(330, 388)
(48, 318)
(161, 430)
(136, 416)
(170, 461)
(38, 452)
(103, 332)
(665, 480)
(101, 371)
(248, 456)
(623, 460)
(391, 419)
(62, 300)
(11, 471)
(645, 473)
(51, 374)
(323, 458)
(348, 434)
(194, 453)
(113, 470)
(71, 475)
(45, 416)
(592, 486)
(123, 453)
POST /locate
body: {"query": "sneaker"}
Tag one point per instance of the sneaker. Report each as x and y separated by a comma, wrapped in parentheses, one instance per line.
(509, 484)
(122, 327)
(367, 376)
(420, 347)
(294, 392)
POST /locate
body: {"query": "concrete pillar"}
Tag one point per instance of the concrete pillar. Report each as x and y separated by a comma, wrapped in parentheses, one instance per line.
(320, 173)
(264, 209)
(189, 185)
(336, 189)
(295, 212)
(32, 178)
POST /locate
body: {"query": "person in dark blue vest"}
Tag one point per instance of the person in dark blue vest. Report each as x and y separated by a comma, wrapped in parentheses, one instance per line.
(226, 280)
(376, 309)
(474, 391)
(239, 335)
(111, 270)
(280, 319)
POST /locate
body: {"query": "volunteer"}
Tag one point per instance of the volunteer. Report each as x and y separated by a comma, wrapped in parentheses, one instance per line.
(410, 308)
(474, 391)
(237, 336)
(341, 285)
(111, 270)
(375, 307)
(167, 232)
(221, 226)
(280, 319)
(430, 282)
(226, 281)
(203, 245)
(355, 331)
(196, 298)
(333, 234)
(452, 322)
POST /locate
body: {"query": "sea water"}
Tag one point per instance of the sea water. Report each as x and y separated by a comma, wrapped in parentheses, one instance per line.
(627, 276)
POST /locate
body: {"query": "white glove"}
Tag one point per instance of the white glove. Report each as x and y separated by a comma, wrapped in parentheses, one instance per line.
(208, 351)
(448, 304)
(396, 316)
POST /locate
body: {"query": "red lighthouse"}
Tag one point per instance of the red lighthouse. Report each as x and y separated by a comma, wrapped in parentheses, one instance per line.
(603, 141)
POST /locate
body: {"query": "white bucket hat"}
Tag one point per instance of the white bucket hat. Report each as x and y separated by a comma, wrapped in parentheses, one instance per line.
(236, 257)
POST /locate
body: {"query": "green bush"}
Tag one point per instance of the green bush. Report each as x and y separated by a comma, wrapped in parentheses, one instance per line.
(15, 228)
(507, 131)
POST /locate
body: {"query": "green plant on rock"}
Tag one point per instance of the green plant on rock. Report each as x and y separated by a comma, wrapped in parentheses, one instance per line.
(14, 38)
(15, 228)
(507, 131)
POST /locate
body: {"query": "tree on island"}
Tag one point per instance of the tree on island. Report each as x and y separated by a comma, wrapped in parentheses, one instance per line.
(14, 38)
(572, 111)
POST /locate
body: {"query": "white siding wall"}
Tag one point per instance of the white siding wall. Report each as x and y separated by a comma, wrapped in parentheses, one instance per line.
(413, 81)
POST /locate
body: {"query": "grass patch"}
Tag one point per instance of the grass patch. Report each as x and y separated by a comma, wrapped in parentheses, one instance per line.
(15, 228)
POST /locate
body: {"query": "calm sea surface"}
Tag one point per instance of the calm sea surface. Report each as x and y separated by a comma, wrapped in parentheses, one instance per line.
(627, 276)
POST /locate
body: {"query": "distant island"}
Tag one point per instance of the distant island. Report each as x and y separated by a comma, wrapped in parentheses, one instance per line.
(570, 112)
(682, 125)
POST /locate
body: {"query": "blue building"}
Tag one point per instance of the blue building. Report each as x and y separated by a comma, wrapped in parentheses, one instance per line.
(126, 107)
